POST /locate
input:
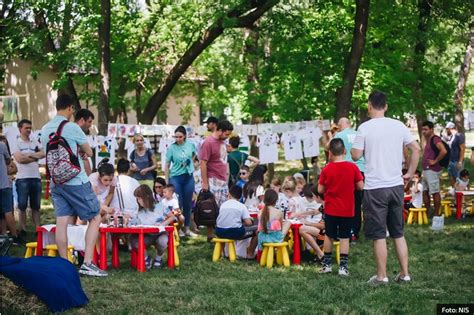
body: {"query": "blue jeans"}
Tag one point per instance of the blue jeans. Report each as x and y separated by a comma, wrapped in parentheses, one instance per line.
(71, 200)
(29, 188)
(184, 188)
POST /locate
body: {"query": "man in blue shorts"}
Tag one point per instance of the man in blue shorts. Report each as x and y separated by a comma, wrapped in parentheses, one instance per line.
(75, 197)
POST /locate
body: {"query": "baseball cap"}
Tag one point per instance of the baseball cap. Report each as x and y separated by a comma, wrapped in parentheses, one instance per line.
(211, 119)
(450, 125)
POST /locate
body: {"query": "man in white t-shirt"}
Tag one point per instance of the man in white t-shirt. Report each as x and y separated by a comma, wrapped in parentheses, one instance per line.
(124, 198)
(380, 141)
(27, 152)
(234, 221)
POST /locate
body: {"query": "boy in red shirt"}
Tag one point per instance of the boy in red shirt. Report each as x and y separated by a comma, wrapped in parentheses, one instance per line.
(337, 182)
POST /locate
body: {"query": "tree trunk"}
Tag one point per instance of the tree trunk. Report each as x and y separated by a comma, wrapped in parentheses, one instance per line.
(104, 43)
(50, 48)
(424, 7)
(242, 18)
(138, 99)
(463, 75)
(344, 93)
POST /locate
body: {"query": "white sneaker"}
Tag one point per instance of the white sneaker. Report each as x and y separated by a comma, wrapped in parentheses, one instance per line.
(325, 269)
(190, 233)
(181, 233)
(343, 271)
(376, 282)
(398, 278)
(92, 270)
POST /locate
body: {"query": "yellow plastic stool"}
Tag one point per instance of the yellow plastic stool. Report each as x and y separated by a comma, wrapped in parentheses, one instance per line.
(422, 216)
(269, 251)
(52, 251)
(216, 255)
(176, 233)
(446, 204)
(337, 247)
(29, 249)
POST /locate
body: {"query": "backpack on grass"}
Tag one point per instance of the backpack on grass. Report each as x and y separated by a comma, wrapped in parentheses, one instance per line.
(206, 209)
(62, 164)
(444, 162)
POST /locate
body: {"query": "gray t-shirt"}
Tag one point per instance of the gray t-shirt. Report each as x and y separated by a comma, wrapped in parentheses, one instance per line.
(4, 156)
(142, 162)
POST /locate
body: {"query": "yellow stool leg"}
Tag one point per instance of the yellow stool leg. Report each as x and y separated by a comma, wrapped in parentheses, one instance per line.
(52, 253)
(29, 252)
(232, 252)
(279, 256)
(425, 217)
(217, 252)
(176, 256)
(420, 218)
(286, 257)
(338, 253)
(271, 253)
(69, 256)
(410, 218)
(263, 257)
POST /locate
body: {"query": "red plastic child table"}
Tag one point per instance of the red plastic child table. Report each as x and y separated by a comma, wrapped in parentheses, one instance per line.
(39, 238)
(39, 241)
(141, 231)
(295, 227)
(459, 196)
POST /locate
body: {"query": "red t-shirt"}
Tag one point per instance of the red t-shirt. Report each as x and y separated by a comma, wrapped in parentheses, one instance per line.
(214, 152)
(339, 179)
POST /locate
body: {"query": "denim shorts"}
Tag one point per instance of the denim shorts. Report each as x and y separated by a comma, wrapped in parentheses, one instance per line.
(28, 189)
(452, 170)
(6, 201)
(71, 200)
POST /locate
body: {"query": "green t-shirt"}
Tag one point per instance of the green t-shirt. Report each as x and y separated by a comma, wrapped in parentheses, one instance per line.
(348, 136)
(181, 158)
(236, 160)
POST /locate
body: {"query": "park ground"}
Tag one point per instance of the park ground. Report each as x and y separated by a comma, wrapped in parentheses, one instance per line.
(441, 265)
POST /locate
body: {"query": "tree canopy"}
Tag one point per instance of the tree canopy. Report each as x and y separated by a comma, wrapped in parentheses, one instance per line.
(260, 59)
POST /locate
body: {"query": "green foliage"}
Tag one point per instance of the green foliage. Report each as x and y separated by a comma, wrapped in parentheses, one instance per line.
(287, 66)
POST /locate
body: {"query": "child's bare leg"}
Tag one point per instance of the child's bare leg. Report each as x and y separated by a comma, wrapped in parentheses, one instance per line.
(252, 247)
(308, 233)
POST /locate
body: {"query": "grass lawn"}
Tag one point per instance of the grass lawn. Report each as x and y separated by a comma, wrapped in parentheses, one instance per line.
(441, 266)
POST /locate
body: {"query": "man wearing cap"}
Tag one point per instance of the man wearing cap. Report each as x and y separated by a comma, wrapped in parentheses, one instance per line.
(458, 146)
(211, 124)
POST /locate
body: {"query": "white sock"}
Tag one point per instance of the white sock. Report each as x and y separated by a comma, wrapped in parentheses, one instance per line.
(159, 258)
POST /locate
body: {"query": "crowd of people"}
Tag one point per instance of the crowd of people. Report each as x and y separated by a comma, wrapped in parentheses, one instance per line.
(368, 172)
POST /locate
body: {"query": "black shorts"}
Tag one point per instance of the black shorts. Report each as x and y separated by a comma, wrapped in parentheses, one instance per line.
(338, 227)
(383, 210)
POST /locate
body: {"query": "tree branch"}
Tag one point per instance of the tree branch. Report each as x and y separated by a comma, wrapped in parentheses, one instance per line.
(245, 16)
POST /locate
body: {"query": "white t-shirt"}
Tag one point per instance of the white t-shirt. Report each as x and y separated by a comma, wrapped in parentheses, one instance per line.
(163, 148)
(382, 140)
(310, 205)
(125, 187)
(170, 204)
(231, 214)
(311, 142)
(105, 148)
(294, 204)
(282, 202)
(29, 170)
(244, 145)
(417, 197)
(292, 145)
(36, 135)
(268, 149)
